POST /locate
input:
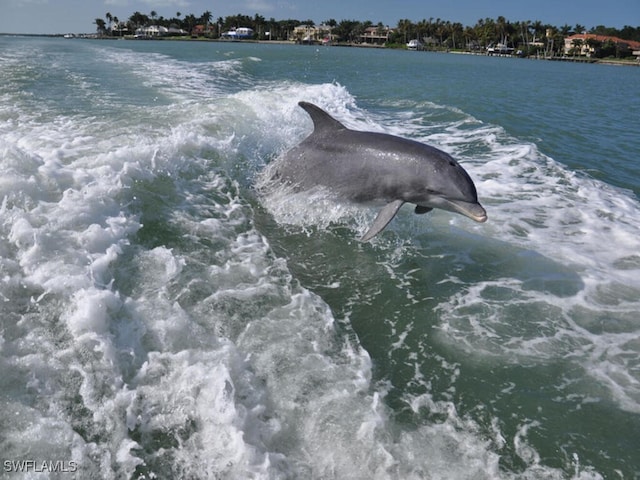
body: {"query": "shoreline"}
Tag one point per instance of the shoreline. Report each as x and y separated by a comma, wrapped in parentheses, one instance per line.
(601, 61)
(597, 61)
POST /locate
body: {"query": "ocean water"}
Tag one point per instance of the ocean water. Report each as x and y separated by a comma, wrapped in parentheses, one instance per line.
(162, 317)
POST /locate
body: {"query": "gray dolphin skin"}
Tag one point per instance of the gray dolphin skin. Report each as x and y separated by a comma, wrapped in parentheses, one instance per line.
(368, 167)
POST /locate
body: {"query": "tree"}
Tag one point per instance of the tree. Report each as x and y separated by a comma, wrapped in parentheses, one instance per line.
(576, 46)
(331, 23)
(629, 33)
(138, 20)
(457, 31)
(258, 24)
(345, 30)
(470, 39)
(109, 18)
(284, 28)
(525, 29)
(440, 31)
(118, 25)
(432, 32)
(100, 26)
(405, 27)
(206, 18)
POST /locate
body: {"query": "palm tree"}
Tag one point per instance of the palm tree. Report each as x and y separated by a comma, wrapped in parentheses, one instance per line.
(501, 29)
(538, 30)
(422, 30)
(109, 18)
(189, 22)
(100, 25)
(404, 26)
(524, 28)
(486, 29)
(441, 30)
(258, 23)
(471, 38)
(206, 17)
(594, 45)
(576, 46)
(456, 29)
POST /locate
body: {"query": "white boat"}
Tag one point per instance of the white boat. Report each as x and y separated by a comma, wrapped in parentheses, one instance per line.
(500, 49)
(414, 45)
(240, 33)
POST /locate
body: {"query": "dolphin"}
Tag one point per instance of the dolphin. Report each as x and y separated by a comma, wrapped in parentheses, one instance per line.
(371, 167)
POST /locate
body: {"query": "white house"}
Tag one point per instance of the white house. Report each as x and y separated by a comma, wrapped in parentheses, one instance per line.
(159, 31)
(152, 31)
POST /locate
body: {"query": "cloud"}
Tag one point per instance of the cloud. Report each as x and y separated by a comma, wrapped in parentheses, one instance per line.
(152, 3)
(166, 3)
(260, 5)
(28, 3)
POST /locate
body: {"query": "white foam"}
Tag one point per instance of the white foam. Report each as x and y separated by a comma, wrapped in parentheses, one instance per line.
(587, 235)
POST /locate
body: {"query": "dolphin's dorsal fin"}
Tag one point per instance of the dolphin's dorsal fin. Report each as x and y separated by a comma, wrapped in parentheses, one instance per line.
(382, 220)
(322, 121)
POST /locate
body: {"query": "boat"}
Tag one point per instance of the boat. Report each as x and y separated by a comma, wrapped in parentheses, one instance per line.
(414, 45)
(240, 33)
(500, 49)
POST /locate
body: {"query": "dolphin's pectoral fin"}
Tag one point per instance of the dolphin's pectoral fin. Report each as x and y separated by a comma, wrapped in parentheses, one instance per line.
(383, 219)
(420, 209)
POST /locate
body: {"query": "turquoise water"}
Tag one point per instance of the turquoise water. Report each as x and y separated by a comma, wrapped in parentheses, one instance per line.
(163, 318)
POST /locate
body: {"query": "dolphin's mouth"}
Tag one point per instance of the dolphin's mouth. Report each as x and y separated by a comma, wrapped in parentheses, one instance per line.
(474, 211)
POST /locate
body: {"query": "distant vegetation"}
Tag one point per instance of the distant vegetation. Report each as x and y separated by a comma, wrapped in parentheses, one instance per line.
(530, 37)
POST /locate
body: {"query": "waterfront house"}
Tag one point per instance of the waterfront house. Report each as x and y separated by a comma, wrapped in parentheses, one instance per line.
(376, 35)
(119, 29)
(152, 31)
(586, 44)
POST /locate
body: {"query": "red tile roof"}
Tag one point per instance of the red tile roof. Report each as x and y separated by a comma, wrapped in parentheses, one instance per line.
(603, 38)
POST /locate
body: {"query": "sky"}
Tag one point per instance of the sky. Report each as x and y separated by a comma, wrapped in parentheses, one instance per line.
(78, 16)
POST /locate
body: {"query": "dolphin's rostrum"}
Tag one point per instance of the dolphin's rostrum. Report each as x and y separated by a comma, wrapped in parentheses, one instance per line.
(366, 167)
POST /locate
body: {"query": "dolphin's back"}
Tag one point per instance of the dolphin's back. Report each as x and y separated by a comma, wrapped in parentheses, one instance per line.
(360, 166)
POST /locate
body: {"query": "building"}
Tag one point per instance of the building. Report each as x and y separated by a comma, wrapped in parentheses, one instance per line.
(311, 34)
(586, 44)
(119, 29)
(201, 30)
(376, 35)
(152, 31)
(159, 31)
